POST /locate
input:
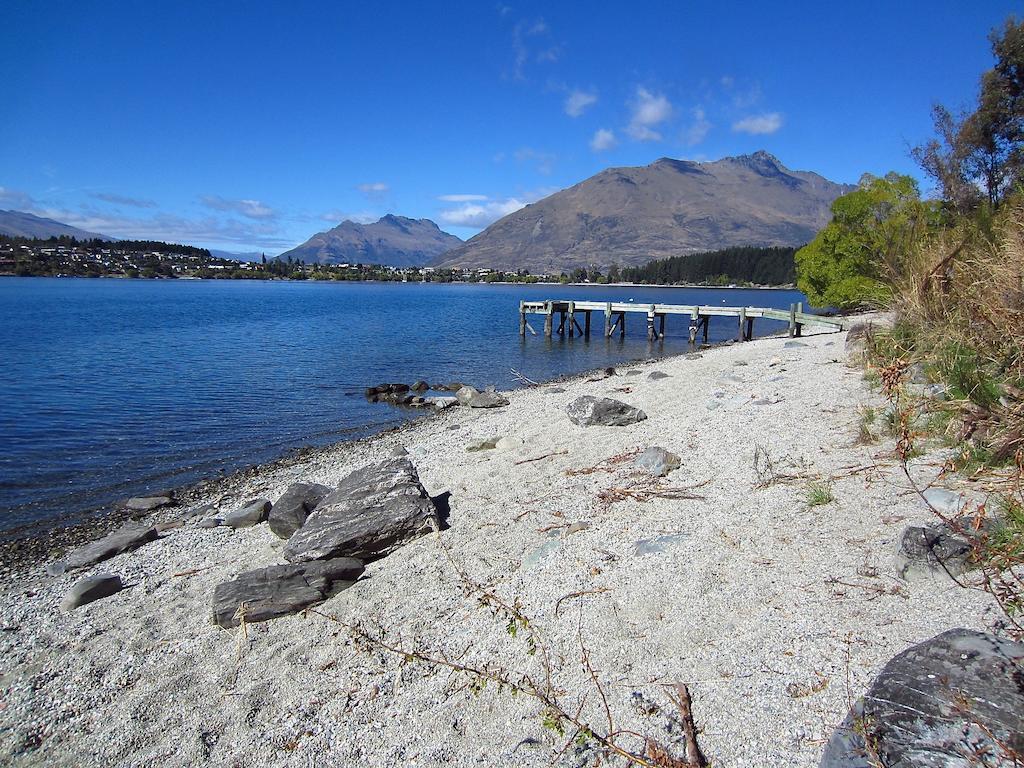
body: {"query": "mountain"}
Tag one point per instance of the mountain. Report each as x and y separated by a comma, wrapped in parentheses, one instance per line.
(19, 224)
(392, 240)
(629, 216)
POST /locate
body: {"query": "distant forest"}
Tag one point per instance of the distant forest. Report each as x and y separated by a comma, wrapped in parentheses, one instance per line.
(747, 264)
(116, 245)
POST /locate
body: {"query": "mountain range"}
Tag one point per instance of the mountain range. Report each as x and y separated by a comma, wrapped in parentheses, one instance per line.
(393, 240)
(629, 216)
(20, 224)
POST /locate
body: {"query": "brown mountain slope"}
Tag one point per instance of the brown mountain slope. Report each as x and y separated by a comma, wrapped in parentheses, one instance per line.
(628, 216)
(397, 241)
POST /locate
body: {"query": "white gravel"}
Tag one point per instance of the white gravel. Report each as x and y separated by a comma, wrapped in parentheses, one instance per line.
(732, 594)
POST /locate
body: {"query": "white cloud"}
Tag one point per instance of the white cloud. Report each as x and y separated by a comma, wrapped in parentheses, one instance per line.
(649, 110)
(16, 198)
(480, 214)
(336, 217)
(757, 125)
(373, 188)
(461, 198)
(603, 140)
(577, 102)
(698, 129)
(251, 209)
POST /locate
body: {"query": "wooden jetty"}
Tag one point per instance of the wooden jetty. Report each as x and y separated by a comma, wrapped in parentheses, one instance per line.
(699, 317)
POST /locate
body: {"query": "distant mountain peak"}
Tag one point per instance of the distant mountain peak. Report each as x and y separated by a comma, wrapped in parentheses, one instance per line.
(392, 240)
(21, 224)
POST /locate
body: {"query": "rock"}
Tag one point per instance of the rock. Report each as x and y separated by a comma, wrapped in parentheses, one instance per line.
(454, 386)
(509, 443)
(486, 444)
(473, 398)
(281, 590)
(128, 536)
(91, 588)
(420, 386)
(555, 390)
(857, 337)
(291, 510)
(633, 373)
(169, 525)
(149, 503)
(582, 525)
(949, 503)
(657, 375)
(658, 461)
(372, 512)
(939, 704)
(936, 391)
(210, 522)
(609, 371)
(371, 393)
(441, 402)
(795, 344)
(658, 544)
(932, 550)
(398, 389)
(774, 362)
(740, 362)
(251, 513)
(588, 411)
(203, 509)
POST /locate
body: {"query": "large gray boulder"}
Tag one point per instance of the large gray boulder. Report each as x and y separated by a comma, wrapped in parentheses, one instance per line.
(291, 510)
(128, 536)
(281, 590)
(589, 411)
(371, 513)
(473, 398)
(954, 701)
(91, 588)
(251, 513)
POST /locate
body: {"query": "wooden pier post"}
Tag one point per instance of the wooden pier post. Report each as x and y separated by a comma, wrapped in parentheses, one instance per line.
(694, 322)
(522, 318)
(750, 328)
(743, 322)
(707, 322)
(661, 326)
(800, 310)
(650, 323)
(561, 322)
(572, 319)
(607, 319)
(586, 324)
(792, 320)
(548, 319)
(622, 325)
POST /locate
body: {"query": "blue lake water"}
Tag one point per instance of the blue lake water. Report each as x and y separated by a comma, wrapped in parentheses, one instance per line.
(112, 387)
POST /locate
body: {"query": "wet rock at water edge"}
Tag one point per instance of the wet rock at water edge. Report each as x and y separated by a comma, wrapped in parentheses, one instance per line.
(90, 589)
(420, 386)
(281, 590)
(941, 703)
(372, 512)
(473, 398)
(149, 503)
(251, 513)
(128, 536)
(588, 411)
(291, 510)
(658, 461)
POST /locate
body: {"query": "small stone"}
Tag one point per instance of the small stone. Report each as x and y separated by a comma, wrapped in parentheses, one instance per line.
(441, 402)
(582, 525)
(555, 390)
(210, 522)
(949, 503)
(588, 411)
(509, 443)
(657, 375)
(420, 386)
(473, 398)
(251, 513)
(91, 588)
(795, 344)
(486, 444)
(658, 461)
(633, 373)
(740, 362)
(149, 503)
(774, 362)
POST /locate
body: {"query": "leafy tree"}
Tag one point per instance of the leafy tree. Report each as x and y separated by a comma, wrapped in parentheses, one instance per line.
(872, 232)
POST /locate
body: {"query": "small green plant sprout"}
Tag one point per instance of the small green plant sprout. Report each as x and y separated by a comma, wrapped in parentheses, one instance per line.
(819, 494)
(865, 436)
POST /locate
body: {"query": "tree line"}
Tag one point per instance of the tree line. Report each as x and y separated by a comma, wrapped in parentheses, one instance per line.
(746, 264)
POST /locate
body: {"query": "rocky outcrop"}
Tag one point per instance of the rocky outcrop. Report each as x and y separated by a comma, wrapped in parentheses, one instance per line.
(947, 702)
(249, 514)
(473, 398)
(658, 461)
(371, 513)
(589, 411)
(281, 590)
(90, 589)
(128, 536)
(291, 510)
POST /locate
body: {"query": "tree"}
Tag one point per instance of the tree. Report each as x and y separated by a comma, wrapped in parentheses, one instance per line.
(873, 229)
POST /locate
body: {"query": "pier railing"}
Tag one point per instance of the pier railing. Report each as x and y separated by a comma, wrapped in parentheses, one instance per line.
(699, 317)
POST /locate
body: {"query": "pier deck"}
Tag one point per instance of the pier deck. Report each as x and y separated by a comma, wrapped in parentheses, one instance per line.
(699, 317)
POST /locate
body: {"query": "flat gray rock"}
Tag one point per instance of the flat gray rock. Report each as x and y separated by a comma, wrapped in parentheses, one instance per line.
(589, 411)
(473, 398)
(657, 375)
(290, 511)
(210, 522)
(91, 588)
(253, 512)
(928, 551)
(148, 503)
(939, 704)
(658, 461)
(372, 512)
(128, 536)
(795, 344)
(487, 444)
(281, 590)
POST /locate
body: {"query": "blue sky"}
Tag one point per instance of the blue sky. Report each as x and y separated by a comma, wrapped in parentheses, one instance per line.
(250, 126)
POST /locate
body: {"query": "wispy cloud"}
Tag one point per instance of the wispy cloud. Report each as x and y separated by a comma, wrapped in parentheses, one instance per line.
(758, 125)
(531, 41)
(251, 209)
(578, 102)
(698, 130)
(544, 161)
(336, 217)
(374, 188)
(648, 111)
(480, 214)
(461, 198)
(114, 199)
(16, 198)
(603, 140)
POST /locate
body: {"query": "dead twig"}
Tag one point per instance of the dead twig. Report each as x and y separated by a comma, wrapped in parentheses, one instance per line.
(523, 379)
(581, 593)
(538, 458)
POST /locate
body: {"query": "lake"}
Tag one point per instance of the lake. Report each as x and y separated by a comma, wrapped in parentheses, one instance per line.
(113, 387)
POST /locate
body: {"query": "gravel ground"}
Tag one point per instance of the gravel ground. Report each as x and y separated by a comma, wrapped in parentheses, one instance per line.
(775, 613)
